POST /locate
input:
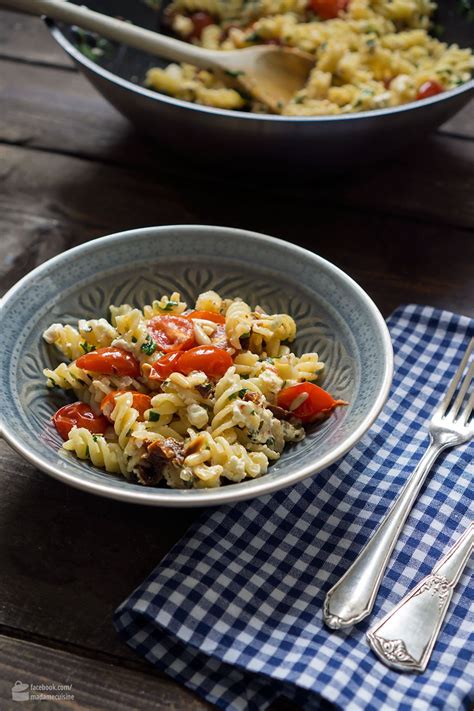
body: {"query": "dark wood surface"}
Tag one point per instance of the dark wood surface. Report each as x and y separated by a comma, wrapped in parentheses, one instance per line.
(72, 169)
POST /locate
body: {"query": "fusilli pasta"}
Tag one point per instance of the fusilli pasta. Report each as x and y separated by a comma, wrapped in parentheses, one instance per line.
(195, 400)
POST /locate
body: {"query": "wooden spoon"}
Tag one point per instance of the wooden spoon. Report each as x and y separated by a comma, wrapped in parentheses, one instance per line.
(271, 74)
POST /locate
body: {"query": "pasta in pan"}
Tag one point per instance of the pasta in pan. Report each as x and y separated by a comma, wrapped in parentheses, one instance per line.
(368, 54)
(187, 398)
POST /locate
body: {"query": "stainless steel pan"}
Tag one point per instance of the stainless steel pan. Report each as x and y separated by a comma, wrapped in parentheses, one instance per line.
(253, 141)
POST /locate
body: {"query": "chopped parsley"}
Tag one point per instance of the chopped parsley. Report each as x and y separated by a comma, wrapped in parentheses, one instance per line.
(465, 8)
(169, 306)
(270, 442)
(238, 394)
(149, 346)
(95, 437)
(134, 340)
(87, 347)
(253, 37)
(153, 416)
(235, 74)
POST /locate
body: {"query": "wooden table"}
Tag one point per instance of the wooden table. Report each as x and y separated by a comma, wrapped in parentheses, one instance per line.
(72, 169)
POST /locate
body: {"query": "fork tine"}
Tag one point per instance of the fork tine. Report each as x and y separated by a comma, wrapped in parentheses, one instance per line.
(444, 404)
(462, 392)
(467, 412)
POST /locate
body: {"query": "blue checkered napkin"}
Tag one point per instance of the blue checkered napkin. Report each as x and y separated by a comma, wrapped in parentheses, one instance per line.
(234, 610)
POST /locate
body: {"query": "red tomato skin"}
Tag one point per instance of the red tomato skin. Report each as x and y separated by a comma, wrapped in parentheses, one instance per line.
(172, 333)
(211, 360)
(141, 402)
(164, 366)
(328, 9)
(318, 402)
(200, 20)
(429, 88)
(207, 315)
(110, 361)
(80, 415)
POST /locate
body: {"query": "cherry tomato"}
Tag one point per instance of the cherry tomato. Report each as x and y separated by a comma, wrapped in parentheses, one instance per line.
(207, 316)
(141, 402)
(319, 402)
(210, 359)
(327, 9)
(110, 361)
(164, 366)
(80, 415)
(429, 88)
(172, 333)
(200, 20)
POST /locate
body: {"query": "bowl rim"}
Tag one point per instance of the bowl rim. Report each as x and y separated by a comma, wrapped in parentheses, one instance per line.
(235, 492)
(94, 68)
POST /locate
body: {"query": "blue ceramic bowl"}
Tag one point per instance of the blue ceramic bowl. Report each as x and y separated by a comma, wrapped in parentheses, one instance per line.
(334, 315)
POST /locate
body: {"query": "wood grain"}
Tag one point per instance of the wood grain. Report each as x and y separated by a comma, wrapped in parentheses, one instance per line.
(95, 684)
(27, 39)
(75, 557)
(434, 181)
(52, 202)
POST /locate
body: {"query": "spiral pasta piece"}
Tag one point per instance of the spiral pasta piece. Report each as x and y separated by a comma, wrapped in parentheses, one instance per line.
(124, 416)
(238, 322)
(209, 301)
(131, 331)
(216, 457)
(69, 376)
(97, 332)
(67, 340)
(101, 453)
(293, 369)
(230, 410)
(166, 305)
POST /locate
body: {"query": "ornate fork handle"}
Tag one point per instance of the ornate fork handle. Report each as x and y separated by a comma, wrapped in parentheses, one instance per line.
(352, 597)
(404, 639)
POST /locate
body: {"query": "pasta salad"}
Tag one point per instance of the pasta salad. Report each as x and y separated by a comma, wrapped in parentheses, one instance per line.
(189, 398)
(369, 54)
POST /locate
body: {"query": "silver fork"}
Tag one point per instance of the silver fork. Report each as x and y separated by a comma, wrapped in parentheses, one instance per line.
(352, 598)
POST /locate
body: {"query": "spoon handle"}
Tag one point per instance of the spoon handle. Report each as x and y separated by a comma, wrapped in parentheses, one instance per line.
(118, 30)
(404, 639)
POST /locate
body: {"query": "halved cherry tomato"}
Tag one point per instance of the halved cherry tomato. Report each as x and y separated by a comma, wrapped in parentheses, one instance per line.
(210, 359)
(80, 415)
(317, 403)
(327, 9)
(172, 333)
(110, 361)
(141, 402)
(164, 366)
(429, 88)
(207, 315)
(200, 20)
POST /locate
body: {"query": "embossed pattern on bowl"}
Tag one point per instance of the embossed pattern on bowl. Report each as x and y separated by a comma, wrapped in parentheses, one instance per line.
(334, 317)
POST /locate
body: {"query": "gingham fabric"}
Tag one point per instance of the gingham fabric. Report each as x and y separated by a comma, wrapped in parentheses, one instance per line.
(234, 610)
